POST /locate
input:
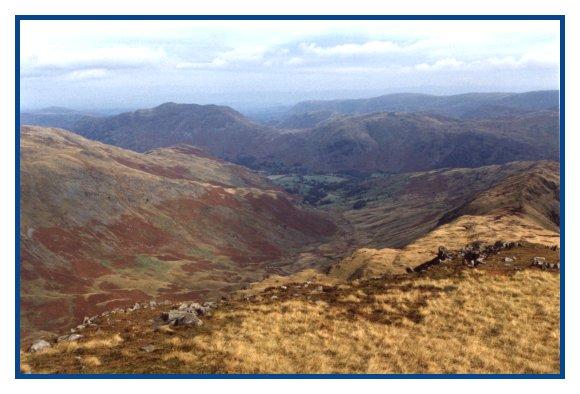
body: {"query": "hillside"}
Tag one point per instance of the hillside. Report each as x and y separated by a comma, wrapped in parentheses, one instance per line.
(221, 131)
(404, 142)
(446, 317)
(467, 105)
(103, 227)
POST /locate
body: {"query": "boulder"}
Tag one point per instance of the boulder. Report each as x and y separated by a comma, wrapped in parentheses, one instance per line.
(539, 262)
(39, 345)
(181, 318)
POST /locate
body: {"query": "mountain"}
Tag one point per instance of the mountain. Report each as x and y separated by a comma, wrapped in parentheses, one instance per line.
(394, 210)
(220, 130)
(406, 217)
(53, 117)
(326, 142)
(102, 227)
(404, 142)
(458, 106)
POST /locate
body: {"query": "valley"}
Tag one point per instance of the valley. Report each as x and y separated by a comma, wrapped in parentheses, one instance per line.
(361, 233)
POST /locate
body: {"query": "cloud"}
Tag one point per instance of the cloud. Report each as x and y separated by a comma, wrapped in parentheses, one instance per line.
(108, 58)
(234, 57)
(81, 75)
(367, 48)
(446, 63)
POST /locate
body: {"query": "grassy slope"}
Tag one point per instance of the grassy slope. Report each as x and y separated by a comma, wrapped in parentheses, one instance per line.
(494, 319)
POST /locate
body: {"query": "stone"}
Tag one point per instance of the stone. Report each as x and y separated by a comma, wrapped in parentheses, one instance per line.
(189, 320)
(443, 253)
(69, 338)
(39, 345)
(181, 318)
(81, 327)
(183, 307)
(284, 287)
(148, 348)
(210, 305)
(274, 297)
(539, 261)
(320, 288)
(508, 260)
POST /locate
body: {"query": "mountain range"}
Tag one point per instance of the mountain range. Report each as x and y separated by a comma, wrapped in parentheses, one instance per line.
(345, 138)
(386, 220)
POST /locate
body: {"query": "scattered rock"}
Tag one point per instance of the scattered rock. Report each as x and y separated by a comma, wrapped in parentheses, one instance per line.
(539, 262)
(148, 348)
(443, 253)
(39, 345)
(69, 338)
(181, 318)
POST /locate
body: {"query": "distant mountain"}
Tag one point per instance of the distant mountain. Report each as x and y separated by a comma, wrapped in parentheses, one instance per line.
(102, 227)
(220, 130)
(306, 120)
(327, 142)
(457, 106)
(403, 142)
(53, 117)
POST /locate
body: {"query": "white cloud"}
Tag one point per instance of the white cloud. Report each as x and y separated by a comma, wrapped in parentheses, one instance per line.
(97, 58)
(81, 75)
(234, 57)
(446, 63)
(367, 48)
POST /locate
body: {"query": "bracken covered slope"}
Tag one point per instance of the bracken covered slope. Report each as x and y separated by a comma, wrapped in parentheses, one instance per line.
(102, 226)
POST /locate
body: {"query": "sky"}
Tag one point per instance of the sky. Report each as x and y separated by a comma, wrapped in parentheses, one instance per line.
(102, 65)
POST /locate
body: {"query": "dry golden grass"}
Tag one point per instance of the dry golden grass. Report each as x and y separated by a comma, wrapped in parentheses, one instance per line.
(305, 275)
(367, 262)
(466, 229)
(478, 323)
(472, 322)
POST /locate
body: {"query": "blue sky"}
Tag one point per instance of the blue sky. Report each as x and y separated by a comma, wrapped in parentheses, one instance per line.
(246, 64)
